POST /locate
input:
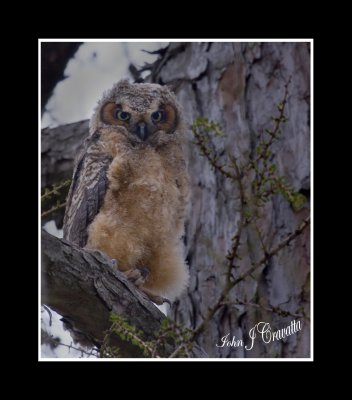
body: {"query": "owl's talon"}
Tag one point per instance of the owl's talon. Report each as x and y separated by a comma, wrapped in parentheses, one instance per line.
(144, 272)
(159, 300)
(99, 253)
(137, 275)
(139, 282)
(167, 301)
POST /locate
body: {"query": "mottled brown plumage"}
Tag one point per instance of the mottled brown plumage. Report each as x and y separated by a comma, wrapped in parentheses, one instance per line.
(130, 187)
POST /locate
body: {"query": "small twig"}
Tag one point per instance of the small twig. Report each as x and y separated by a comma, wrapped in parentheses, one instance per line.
(142, 343)
(160, 51)
(232, 254)
(92, 352)
(260, 164)
(104, 348)
(260, 236)
(274, 250)
(278, 120)
(160, 339)
(47, 309)
(55, 190)
(53, 209)
(178, 349)
(276, 310)
(230, 285)
(133, 337)
(201, 143)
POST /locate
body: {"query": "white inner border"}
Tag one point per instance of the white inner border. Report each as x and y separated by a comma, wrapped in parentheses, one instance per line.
(311, 41)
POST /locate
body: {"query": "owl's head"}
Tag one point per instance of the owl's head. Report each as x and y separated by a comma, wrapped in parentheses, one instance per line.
(143, 109)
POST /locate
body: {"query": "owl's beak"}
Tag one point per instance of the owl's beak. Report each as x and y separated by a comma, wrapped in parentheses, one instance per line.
(142, 131)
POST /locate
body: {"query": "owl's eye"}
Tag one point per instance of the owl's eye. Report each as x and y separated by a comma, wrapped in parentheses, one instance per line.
(122, 115)
(157, 116)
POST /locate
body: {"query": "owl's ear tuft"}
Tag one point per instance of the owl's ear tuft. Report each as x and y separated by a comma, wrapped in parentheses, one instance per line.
(123, 83)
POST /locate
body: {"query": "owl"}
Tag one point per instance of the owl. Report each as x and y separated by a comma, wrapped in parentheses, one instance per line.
(130, 188)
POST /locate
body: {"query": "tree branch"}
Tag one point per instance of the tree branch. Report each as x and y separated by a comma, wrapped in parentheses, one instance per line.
(59, 147)
(285, 242)
(84, 287)
(272, 252)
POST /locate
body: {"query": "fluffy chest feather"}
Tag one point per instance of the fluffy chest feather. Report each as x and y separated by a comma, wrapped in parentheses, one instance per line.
(143, 190)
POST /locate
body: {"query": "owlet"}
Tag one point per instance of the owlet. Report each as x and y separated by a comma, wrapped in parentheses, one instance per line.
(130, 188)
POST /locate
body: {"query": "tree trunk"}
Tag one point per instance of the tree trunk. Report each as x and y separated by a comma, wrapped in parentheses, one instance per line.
(239, 85)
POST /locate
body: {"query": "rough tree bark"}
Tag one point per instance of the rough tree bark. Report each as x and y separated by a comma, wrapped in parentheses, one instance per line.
(84, 287)
(59, 147)
(239, 85)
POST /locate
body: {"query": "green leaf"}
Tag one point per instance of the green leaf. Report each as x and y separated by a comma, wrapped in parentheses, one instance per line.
(297, 201)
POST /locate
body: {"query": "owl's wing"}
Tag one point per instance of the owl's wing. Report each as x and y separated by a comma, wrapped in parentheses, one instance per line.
(87, 191)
